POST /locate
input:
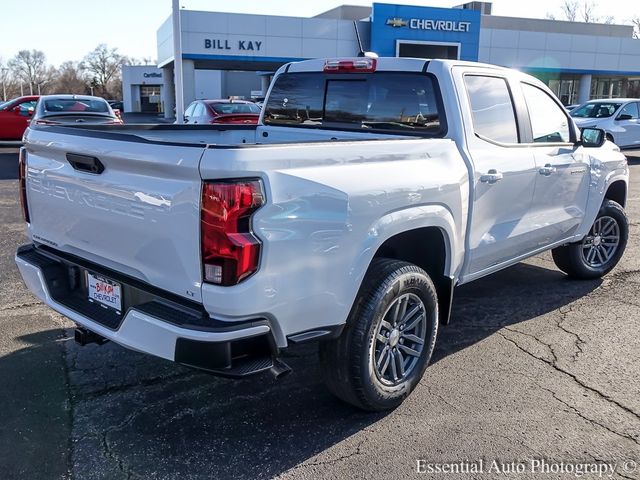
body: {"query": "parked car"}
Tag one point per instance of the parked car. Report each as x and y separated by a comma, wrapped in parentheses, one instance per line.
(222, 111)
(368, 192)
(74, 109)
(116, 105)
(618, 117)
(15, 116)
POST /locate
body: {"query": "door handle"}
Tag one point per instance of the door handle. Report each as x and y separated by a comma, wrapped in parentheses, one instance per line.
(491, 177)
(547, 170)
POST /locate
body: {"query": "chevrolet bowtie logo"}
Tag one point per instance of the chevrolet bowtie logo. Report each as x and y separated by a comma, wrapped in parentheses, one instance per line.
(397, 22)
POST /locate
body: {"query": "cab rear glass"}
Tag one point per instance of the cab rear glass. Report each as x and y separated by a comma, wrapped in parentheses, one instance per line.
(381, 101)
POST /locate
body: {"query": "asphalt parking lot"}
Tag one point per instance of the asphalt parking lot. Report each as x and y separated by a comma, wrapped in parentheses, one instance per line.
(533, 366)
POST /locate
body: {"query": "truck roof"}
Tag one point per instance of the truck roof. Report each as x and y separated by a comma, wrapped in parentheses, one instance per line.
(405, 64)
(389, 64)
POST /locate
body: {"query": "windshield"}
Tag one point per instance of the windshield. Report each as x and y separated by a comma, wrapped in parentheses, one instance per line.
(224, 108)
(380, 101)
(595, 110)
(57, 105)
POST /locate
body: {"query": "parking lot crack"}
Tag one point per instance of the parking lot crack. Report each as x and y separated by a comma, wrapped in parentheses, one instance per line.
(148, 382)
(590, 420)
(578, 381)
(544, 344)
(122, 467)
(578, 342)
(70, 400)
(333, 461)
(19, 306)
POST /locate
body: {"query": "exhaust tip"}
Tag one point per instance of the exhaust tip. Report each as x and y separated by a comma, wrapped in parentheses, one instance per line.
(279, 369)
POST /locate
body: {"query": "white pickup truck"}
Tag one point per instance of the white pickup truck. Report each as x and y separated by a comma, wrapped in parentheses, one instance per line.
(367, 192)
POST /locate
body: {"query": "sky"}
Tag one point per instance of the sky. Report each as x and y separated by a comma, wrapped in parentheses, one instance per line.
(69, 29)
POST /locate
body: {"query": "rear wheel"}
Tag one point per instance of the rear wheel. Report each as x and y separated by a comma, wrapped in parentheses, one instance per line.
(601, 249)
(388, 340)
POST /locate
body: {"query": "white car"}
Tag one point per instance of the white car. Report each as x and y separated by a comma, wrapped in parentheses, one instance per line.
(618, 117)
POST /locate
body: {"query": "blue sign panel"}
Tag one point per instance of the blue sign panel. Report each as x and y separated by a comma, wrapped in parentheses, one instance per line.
(393, 24)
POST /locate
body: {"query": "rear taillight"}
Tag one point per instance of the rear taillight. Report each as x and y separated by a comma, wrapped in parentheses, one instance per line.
(230, 251)
(22, 180)
(356, 65)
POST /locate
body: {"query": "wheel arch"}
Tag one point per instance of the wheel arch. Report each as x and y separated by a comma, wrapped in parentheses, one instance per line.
(617, 191)
(428, 248)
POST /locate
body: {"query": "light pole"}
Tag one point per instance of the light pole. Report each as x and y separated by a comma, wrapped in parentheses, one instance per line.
(4, 83)
(177, 61)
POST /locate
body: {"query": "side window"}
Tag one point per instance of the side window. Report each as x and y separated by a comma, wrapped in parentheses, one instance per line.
(549, 122)
(492, 108)
(26, 107)
(630, 109)
(189, 111)
(199, 110)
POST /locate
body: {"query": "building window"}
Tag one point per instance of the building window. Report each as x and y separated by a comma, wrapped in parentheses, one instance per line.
(566, 89)
(150, 101)
(417, 49)
(606, 88)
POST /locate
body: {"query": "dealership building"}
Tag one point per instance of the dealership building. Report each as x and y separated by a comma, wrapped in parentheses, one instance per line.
(227, 54)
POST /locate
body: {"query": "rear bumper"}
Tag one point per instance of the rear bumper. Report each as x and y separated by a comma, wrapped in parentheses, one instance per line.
(157, 326)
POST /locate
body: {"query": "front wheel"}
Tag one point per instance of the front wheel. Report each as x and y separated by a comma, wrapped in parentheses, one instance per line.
(601, 249)
(388, 340)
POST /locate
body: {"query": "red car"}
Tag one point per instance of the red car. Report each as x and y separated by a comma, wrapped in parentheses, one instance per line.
(222, 111)
(15, 116)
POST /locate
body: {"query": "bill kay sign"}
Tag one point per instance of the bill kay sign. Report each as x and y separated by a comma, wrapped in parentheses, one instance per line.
(224, 44)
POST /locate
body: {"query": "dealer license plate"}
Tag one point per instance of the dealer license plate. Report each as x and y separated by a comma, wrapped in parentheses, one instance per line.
(104, 292)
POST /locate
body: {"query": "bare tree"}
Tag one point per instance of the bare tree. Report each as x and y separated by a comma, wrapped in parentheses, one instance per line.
(104, 65)
(635, 21)
(570, 9)
(4, 79)
(71, 78)
(30, 67)
(587, 10)
(580, 11)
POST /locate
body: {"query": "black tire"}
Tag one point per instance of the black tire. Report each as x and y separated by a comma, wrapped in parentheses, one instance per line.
(574, 259)
(609, 137)
(349, 362)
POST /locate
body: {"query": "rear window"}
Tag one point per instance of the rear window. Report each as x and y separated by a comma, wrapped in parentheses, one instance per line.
(224, 108)
(73, 105)
(401, 102)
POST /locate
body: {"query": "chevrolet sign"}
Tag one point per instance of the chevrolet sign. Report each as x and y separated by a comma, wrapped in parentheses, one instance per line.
(428, 24)
(396, 22)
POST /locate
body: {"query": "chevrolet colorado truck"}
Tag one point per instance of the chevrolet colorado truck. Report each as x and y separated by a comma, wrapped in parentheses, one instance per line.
(369, 190)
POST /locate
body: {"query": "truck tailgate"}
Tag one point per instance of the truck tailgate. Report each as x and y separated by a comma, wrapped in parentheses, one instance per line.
(136, 213)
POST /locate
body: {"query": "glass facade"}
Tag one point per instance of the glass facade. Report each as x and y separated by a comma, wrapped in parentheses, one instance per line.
(566, 89)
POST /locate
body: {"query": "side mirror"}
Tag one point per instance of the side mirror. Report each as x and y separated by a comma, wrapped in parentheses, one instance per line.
(185, 119)
(593, 137)
(625, 116)
(16, 109)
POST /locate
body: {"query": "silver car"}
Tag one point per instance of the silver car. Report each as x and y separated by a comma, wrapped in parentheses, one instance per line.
(618, 117)
(74, 110)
